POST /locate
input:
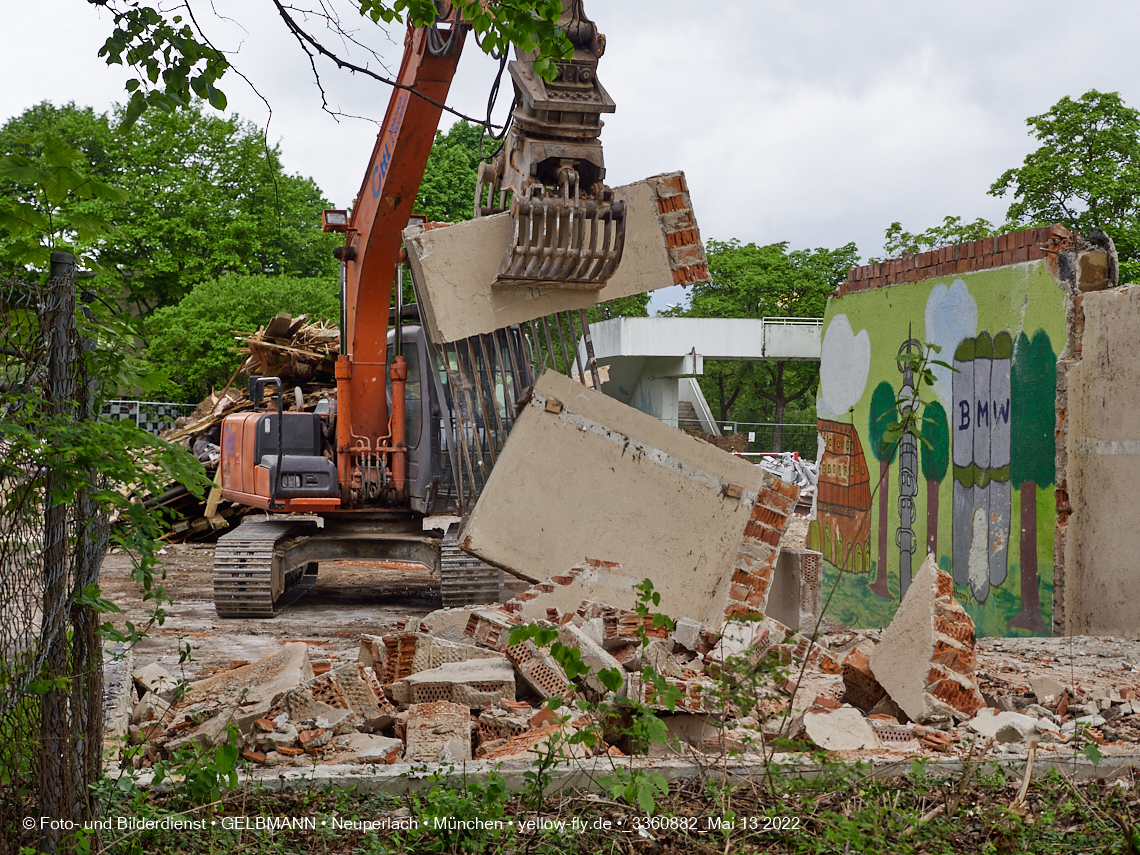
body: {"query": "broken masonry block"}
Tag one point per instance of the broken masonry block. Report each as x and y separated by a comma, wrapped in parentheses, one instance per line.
(538, 669)
(862, 689)
(408, 652)
(537, 742)
(625, 627)
(687, 633)
(364, 748)
(446, 624)
(476, 683)
(594, 656)
(435, 730)
(656, 655)
(496, 723)
(491, 628)
(926, 656)
(600, 582)
(694, 695)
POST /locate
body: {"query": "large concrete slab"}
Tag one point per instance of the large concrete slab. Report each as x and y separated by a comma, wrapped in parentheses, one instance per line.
(454, 267)
(585, 476)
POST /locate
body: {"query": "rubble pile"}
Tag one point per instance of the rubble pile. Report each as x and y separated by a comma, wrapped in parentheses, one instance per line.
(452, 687)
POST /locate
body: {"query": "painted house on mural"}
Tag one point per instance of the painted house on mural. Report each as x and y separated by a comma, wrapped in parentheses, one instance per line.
(978, 490)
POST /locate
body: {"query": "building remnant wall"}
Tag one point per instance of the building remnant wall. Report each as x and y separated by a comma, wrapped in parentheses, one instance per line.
(584, 476)
(1098, 466)
(978, 493)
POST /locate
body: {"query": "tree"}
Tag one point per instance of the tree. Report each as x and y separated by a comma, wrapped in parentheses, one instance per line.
(750, 281)
(1033, 383)
(193, 341)
(898, 242)
(1085, 174)
(447, 191)
(206, 198)
(884, 412)
(173, 60)
(935, 452)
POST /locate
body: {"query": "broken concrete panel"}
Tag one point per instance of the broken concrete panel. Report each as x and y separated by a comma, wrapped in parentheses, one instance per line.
(656, 655)
(284, 737)
(477, 683)
(604, 582)
(358, 693)
(753, 638)
(665, 505)
(210, 734)
(118, 692)
(157, 680)
(843, 729)
(594, 656)
(366, 748)
(262, 680)
(497, 723)
(926, 656)
(454, 268)
(437, 729)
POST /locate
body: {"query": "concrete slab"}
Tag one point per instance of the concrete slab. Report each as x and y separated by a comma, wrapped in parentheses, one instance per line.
(439, 730)
(454, 268)
(477, 684)
(702, 524)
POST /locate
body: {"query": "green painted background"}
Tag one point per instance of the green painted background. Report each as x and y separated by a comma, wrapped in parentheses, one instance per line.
(1018, 299)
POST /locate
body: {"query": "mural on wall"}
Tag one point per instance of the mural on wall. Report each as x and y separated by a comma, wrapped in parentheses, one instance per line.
(996, 328)
(981, 461)
(840, 529)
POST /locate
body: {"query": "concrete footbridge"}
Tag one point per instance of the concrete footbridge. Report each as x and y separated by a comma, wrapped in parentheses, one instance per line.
(651, 362)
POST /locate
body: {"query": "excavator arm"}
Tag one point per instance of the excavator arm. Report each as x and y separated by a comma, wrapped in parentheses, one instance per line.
(368, 435)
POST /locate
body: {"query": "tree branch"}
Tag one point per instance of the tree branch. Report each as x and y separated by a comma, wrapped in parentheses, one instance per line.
(306, 42)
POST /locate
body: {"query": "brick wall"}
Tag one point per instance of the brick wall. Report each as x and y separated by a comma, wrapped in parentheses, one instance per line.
(1012, 248)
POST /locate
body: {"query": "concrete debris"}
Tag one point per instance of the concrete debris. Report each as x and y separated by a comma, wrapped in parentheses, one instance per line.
(538, 670)
(594, 580)
(843, 729)
(594, 656)
(1009, 726)
(405, 653)
(925, 659)
(263, 680)
(437, 732)
(155, 679)
(1046, 690)
(477, 684)
(367, 748)
(862, 689)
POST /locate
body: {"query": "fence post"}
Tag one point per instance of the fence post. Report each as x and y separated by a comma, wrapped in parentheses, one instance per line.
(57, 793)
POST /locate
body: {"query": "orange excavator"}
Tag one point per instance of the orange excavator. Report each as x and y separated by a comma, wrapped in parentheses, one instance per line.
(354, 479)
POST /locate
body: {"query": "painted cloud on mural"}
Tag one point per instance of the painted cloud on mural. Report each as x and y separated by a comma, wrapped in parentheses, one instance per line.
(844, 365)
(951, 316)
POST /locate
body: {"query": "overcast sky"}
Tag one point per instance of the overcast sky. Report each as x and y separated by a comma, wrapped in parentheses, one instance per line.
(808, 122)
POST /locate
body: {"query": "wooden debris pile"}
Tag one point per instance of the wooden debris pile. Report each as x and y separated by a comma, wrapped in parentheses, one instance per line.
(295, 349)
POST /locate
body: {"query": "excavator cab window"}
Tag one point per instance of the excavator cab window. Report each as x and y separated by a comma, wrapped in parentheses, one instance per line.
(413, 393)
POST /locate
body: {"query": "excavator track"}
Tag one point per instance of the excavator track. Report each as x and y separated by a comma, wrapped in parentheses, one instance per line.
(244, 583)
(464, 579)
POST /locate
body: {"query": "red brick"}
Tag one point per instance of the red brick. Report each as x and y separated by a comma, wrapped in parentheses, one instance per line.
(1020, 255)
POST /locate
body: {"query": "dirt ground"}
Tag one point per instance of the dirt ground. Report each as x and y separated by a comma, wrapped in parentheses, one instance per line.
(348, 600)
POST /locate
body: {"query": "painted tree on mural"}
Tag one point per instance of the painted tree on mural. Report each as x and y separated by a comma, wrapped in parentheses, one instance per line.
(1033, 378)
(935, 453)
(883, 413)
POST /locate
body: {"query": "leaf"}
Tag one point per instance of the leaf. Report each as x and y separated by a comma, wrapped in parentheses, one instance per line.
(1093, 753)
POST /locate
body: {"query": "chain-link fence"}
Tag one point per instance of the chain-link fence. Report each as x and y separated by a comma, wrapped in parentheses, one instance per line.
(51, 680)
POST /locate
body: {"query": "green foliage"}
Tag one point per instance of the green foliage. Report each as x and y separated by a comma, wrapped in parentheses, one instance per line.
(1033, 384)
(898, 242)
(447, 191)
(935, 452)
(172, 61)
(637, 787)
(193, 341)
(750, 281)
(43, 207)
(909, 403)
(1085, 173)
(207, 197)
(201, 773)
